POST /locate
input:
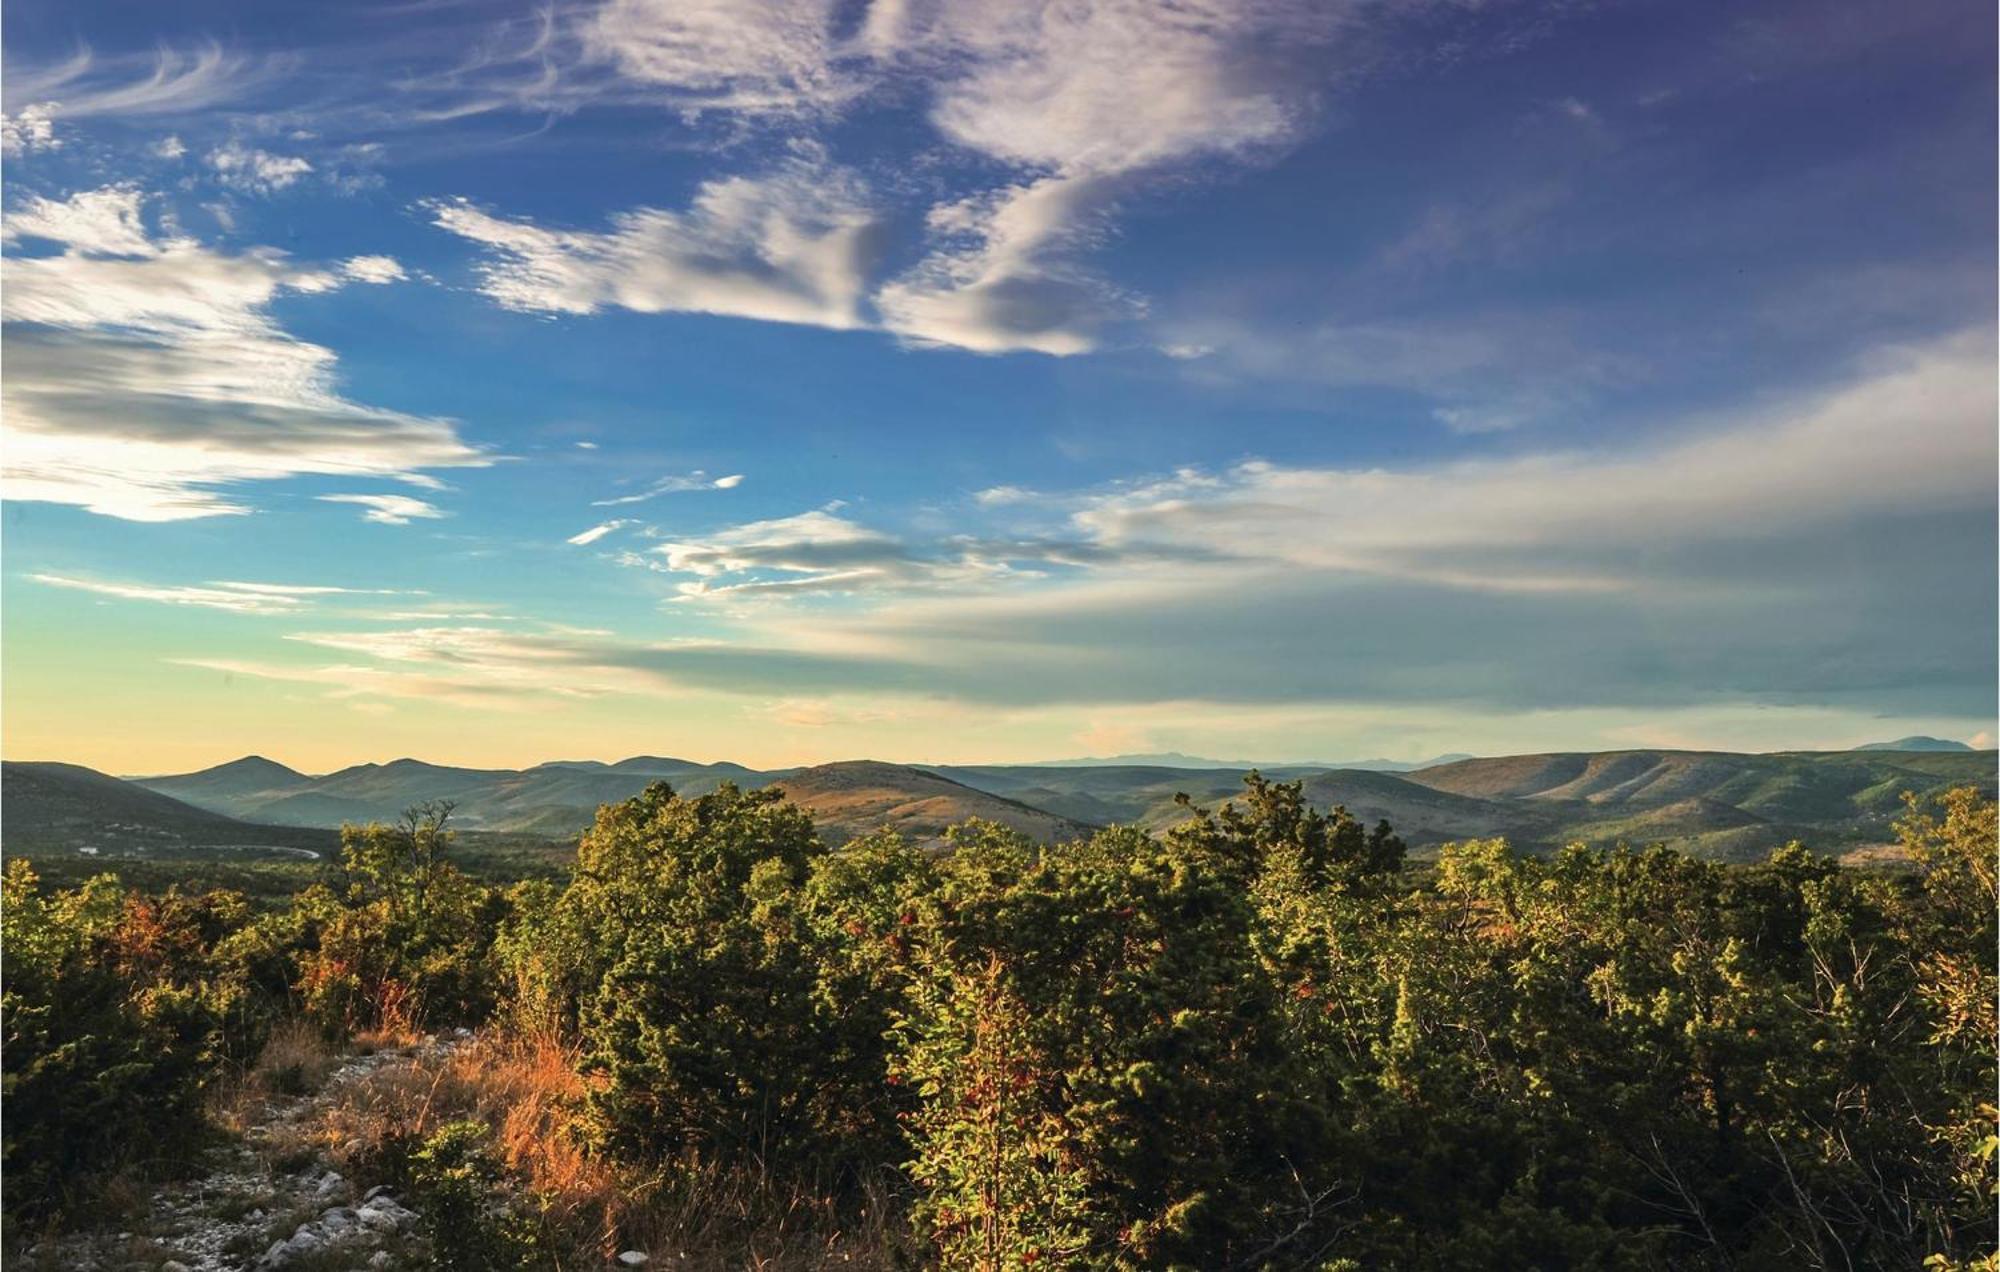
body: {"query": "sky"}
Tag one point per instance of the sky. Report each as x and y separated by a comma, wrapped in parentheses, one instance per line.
(990, 380)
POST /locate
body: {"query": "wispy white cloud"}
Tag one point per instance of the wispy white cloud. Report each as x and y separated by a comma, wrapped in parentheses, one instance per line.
(793, 245)
(821, 553)
(467, 665)
(1001, 496)
(484, 666)
(1077, 104)
(758, 57)
(1818, 459)
(597, 532)
(144, 375)
(105, 222)
(676, 484)
(1082, 100)
(389, 510)
(167, 81)
(240, 598)
(812, 547)
(1004, 276)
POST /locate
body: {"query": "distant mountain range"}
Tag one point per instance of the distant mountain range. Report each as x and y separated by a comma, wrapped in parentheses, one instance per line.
(1175, 759)
(1729, 805)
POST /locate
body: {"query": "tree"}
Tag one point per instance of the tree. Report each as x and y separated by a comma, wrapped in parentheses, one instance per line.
(406, 942)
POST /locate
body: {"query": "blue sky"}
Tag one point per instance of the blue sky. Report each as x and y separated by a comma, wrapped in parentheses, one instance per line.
(943, 381)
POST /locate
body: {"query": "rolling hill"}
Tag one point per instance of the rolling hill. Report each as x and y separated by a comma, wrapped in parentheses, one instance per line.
(1916, 742)
(855, 797)
(66, 805)
(1145, 796)
(1724, 804)
(556, 798)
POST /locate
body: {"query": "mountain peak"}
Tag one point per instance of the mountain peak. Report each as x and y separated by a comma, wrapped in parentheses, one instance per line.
(1916, 742)
(253, 764)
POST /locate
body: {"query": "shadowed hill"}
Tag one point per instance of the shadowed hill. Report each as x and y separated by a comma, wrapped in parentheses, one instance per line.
(1144, 795)
(66, 805)
(251, 775)
(1808, 785)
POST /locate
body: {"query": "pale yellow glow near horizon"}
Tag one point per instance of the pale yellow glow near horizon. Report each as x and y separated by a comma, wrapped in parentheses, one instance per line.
(183, 719)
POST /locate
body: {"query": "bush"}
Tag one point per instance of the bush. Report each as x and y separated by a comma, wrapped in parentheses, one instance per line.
(703, 1023)
(114, 1021)
(1098, 1056)
(455, 1181)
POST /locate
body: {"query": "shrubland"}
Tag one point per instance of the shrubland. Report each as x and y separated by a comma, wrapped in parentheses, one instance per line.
(1254, 1041)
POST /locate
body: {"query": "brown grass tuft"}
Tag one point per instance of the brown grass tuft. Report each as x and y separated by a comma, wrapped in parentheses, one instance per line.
(295, 1060)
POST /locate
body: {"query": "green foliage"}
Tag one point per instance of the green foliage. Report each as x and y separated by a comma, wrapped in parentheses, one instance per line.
(1255, 1042)
(454, 1180)
(119, 1009)
(406, 942)
(705, 1015)
(1098, 1058)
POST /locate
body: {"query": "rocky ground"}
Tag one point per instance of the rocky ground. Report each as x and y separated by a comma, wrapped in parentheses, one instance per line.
(264, 1203)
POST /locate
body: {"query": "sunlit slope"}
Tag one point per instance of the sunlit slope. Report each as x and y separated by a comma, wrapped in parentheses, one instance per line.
(858, 796)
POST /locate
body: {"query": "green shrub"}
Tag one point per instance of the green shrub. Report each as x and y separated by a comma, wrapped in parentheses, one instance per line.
(1098, 1056)
(455, 1182)
(703, 1020)
(114, 1019)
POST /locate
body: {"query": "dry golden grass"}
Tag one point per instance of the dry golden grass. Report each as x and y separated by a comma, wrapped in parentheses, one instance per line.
(295, 1060)
(526, 1090)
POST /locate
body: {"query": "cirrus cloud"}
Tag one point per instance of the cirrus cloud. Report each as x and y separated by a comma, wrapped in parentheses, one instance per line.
(388, 510)
(235, 597)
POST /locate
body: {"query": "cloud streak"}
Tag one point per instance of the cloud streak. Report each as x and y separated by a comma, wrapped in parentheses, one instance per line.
(596, 532)
(238, 598)
(389, 510)
(676, 484)
(146, 377)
